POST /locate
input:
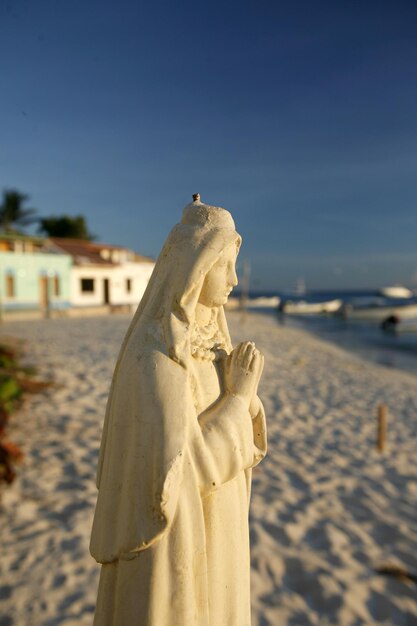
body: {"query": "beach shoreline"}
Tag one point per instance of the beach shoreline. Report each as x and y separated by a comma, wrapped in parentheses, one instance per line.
(327, 509)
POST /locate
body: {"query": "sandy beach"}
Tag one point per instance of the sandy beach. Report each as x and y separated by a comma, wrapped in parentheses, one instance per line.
(327, 509)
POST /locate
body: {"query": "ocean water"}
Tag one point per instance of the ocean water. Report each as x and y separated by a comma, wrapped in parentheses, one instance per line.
(365, 339)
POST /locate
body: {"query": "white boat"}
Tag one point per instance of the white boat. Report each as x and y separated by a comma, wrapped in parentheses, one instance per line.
(396, 291)
(263, 302)
(302, 307)
(378, 313)
(253, 303)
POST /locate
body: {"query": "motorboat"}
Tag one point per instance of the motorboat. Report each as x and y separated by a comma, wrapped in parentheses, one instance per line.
(303, 307)
(378, 312)
(260, 302)
(263, 302)
(396, 291)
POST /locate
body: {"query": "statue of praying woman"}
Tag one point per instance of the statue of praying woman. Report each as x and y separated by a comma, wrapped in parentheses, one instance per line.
(183, 428)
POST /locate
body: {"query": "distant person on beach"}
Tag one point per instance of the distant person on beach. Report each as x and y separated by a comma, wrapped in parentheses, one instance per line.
(183, 428)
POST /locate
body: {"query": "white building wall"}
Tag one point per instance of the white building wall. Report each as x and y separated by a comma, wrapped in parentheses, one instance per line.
(138, 273)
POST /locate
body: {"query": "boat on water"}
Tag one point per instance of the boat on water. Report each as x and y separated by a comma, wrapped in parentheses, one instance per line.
(396, 291)
(260, 302)
(303, 307)
(263, 302)
(378, 312)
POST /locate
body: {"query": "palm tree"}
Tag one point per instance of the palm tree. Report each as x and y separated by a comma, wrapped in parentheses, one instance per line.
(12, 212)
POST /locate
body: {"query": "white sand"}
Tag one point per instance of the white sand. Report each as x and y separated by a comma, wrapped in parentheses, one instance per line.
(326, 507)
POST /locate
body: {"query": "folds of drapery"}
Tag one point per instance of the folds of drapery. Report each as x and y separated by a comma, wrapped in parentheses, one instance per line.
(150, 424)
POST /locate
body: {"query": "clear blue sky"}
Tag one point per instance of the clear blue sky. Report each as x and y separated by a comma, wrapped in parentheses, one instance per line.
(298, 116)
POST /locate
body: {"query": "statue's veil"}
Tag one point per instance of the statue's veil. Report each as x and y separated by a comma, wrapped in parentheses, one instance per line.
(170, 299)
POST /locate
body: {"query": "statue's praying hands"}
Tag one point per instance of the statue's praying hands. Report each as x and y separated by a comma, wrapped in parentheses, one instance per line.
(243, 370)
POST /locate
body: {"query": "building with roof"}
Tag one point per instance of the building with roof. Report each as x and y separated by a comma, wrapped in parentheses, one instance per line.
(104, 275)
(54, 276)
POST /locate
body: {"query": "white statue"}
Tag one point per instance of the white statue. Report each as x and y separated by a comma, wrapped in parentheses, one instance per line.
(183, 428)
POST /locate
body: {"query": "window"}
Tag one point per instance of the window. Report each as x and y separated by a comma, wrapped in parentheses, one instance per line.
(128, 285)
(10, 293)
(57, 286)
(87, 285)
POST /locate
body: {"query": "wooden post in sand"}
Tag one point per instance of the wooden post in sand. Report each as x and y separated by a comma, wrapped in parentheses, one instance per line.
(382, 427)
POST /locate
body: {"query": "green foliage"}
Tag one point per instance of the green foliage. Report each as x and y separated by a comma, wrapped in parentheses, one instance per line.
(14, 382)
(6, 362)
(10, 391)
(12, 213)
(13, 216)
(65, 226)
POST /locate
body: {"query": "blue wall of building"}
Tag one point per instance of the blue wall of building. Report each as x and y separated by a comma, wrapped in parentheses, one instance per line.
(34, 281)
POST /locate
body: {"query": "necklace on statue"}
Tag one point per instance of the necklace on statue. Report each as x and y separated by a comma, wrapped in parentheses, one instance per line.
(206, 340)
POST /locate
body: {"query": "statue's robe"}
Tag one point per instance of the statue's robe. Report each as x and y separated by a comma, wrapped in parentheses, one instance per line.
(171, 523)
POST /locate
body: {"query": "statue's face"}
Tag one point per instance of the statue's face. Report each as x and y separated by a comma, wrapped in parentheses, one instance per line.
(221, 279)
